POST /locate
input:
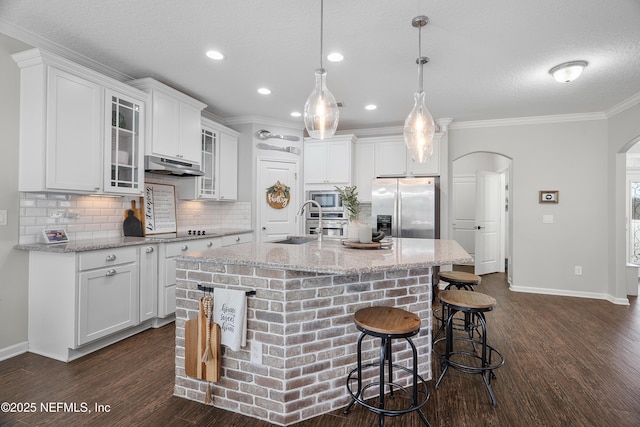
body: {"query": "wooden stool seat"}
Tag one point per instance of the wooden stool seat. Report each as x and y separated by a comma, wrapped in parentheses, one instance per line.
(467, 300)
(460, 277)
(387, 320)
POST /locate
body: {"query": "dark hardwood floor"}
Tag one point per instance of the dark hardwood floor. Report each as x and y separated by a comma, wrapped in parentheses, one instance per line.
(569, 362)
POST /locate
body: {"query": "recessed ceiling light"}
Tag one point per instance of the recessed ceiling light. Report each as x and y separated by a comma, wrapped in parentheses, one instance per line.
(296, 114)
(335, 57)
(214, 54)
(264, 91)
(370, 107)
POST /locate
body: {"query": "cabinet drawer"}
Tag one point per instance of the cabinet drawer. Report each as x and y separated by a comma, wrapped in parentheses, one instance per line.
(179, 248)
(236, 239)
(106, 258)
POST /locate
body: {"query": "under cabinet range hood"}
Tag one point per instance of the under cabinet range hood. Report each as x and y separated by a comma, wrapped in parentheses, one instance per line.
(164, 166)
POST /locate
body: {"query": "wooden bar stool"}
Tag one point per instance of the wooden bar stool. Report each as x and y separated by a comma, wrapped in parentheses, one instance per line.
(387, 323)
(460, 280)
(464, 361)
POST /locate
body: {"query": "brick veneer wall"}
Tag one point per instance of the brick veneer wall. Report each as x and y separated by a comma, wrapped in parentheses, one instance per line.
(304, 323)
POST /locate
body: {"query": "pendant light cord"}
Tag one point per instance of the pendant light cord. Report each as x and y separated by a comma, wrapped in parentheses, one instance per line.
(321, 29)
(420, 63)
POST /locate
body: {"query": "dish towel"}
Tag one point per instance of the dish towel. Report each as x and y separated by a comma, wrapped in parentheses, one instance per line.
(230, 312)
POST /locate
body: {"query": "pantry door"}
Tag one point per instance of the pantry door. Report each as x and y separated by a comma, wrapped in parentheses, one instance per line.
(276, 222)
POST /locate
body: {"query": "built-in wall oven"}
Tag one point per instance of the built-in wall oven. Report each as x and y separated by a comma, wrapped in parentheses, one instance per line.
(334, 220)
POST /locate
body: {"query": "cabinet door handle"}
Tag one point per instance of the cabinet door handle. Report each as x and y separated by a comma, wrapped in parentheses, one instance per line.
(237, 239)
(110, 257)
(264, 228)
(111, 272)
(149, 250)
(184, 248)
(209, 244)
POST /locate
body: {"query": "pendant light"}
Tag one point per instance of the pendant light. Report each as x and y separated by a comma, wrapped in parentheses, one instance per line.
(321, 109)
(419, 126)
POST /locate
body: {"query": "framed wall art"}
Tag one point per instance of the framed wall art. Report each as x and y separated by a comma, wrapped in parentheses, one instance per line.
(548, 196)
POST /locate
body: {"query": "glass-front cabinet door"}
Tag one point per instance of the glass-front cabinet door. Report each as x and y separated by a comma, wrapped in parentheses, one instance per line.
(124, 150)
(209, 153)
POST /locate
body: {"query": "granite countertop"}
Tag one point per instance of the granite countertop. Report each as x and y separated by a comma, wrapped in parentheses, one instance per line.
(119, 242)
(332, 257)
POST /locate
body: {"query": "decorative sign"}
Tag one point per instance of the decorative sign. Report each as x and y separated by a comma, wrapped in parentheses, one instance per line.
(278, 195)
(160, 209)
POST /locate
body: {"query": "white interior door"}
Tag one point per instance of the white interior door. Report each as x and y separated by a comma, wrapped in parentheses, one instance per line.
(464, 212)
(276, 224)
(488, 235)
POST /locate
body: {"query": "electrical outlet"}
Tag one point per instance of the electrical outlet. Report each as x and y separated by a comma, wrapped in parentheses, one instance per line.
(578, 270)
(3, 217)
(256, 353)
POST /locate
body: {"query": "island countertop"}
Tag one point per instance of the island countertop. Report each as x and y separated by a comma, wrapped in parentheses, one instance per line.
(332, 257)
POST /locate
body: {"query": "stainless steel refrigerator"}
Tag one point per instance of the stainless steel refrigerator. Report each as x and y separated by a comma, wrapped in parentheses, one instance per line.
(406, 207)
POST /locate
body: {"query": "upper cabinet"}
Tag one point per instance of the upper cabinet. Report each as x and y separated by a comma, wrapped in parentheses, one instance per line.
(124, 164)
(393, 159)
(219, 163)
(173, 122)
(329, 162)
(66, 132)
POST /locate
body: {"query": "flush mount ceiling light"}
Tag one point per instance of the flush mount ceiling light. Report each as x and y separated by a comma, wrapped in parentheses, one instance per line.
(569, 71)
(264, 91)
(321, 110)
(419, 126)
(370, 107)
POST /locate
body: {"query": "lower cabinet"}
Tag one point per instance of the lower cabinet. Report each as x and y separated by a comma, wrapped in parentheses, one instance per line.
(148, 282)
(107, 301)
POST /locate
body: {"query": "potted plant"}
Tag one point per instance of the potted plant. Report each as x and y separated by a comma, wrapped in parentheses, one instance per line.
(350, 202)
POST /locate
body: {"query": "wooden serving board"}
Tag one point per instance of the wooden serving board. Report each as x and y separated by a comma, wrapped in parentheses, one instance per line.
(195, 344)
(372, 245)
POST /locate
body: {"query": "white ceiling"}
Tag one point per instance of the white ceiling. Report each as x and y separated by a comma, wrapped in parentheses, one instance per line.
(488, 59)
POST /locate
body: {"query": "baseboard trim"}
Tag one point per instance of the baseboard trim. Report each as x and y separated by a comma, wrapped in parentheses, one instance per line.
(14, 350)
(566, 293)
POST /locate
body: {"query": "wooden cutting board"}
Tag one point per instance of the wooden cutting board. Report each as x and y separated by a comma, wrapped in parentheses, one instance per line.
(195, 345)
(133, 220)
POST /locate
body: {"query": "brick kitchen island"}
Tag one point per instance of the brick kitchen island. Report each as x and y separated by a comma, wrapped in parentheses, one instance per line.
(301, 340)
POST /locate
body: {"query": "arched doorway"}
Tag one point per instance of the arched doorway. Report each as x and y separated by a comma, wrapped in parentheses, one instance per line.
(480, 215)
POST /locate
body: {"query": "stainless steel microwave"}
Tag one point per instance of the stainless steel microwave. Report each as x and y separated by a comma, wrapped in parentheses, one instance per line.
(331, 201)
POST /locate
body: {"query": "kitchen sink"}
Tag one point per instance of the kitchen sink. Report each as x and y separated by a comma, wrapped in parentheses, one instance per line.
(296, 240)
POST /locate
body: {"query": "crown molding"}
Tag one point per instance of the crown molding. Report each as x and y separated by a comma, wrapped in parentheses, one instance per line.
(37, 41)
(258, 120)
(519, 121)
(624, 105)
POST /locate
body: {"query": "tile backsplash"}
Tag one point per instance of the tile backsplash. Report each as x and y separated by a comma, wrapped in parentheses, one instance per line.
(90, 217)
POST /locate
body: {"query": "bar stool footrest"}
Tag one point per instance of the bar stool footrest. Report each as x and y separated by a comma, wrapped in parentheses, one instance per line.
(414, 406)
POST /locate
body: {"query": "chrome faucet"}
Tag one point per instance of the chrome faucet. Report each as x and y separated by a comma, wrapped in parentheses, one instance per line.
(301, 211)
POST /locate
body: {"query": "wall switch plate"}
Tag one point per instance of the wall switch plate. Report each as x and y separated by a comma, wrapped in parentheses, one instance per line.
(3, 217)
(578, 270)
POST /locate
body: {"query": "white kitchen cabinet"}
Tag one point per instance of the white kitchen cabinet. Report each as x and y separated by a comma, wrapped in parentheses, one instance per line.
(167, 263)
(64, 122)
(236, 239)
(393, 159)
(124, 148)
(173, 122)
(228, 170)
(219, 163)
(80, 302)
(328, 163)
(364, 170)
(108, 301)
(148, 266)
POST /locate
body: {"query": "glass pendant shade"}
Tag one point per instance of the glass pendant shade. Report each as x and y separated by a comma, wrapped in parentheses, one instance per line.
(419, 129)
(321, 109)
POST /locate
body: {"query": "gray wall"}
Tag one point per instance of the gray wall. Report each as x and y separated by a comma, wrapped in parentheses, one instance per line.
(13, 263)
(568, 157)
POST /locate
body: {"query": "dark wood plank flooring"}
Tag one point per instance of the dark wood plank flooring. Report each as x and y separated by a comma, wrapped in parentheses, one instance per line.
(569, 362)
